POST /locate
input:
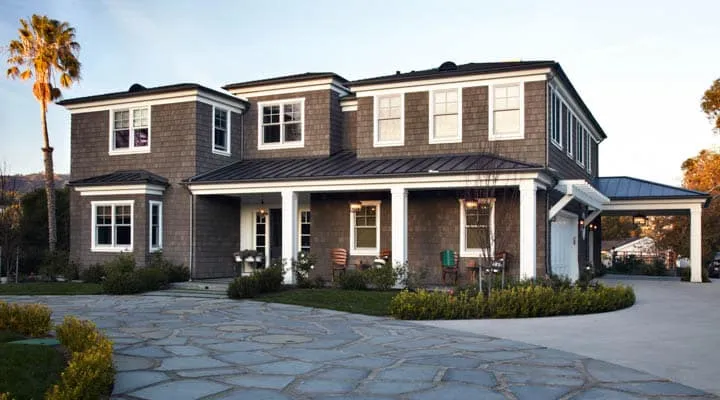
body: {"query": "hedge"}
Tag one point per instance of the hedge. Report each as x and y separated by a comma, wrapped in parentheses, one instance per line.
(516, 302)
(263, 281)
(90, 372)
(120, 275)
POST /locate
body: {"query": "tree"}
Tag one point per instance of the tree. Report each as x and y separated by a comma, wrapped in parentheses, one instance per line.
(46, 51)
(618, 228)
(710, 104)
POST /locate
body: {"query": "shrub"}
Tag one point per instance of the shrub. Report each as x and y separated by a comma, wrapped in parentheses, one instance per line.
(174, 272)
(271, 279)
(382, 278)
(353, 280)
(93, 274)
(123, 263)
(58, 263)
(302, 266)
(685, 275)
(26, 319)
(244, 287)
(527, 300)
(90, 373)
(152, 278)
(122, 283)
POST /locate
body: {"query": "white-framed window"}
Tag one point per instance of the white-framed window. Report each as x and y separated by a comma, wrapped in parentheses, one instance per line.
(261, 233)
(112, 225)
(281, 124)
(589, 153)
(304, 234)
(130, 130)
(477, 227)
(389, 129)
(506, 112)
(580, 134)
(221, 131)
(365, 229)
(446, 116)
(155, 221)
(558, 124)
(572, 124)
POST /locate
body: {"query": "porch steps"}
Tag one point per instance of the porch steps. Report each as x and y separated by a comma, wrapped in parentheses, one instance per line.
(219, 285)
(202, 294)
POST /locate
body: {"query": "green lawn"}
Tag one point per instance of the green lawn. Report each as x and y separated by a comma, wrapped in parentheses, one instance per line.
(7, 336)
(355, 301)
(49, 288)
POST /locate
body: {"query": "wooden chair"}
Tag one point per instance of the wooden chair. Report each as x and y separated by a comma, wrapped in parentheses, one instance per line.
(386, 254)
(339, 261)
(450, 267)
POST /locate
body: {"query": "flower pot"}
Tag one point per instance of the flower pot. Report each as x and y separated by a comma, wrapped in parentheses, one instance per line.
(258, 258)
(238, 259)
(250, 259)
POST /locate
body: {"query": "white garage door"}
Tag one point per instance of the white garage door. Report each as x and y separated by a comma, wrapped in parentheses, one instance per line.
(563, 245)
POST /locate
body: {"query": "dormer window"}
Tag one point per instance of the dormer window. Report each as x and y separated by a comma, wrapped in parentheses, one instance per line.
(281, 124)
(221, 131)
(506, 112)
(130, 132)
(445, 116)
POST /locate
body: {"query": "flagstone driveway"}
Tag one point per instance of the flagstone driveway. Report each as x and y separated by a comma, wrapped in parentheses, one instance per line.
(188, 348)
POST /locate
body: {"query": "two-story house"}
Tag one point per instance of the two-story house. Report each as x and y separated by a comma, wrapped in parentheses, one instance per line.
(478, 158)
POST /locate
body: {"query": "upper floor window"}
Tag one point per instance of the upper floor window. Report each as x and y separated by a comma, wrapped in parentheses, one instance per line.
(365, 229)
(112, 225)
(572, 124)
(389, 120)
(589, 153)
(580, 133)
(281, 124)
(130, 132)
(557, 112)
(445, 116)
(506, 112)
(476, 227)
(221, 131)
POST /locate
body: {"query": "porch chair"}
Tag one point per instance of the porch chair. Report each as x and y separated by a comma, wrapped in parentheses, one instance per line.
(449, 260)
(339, 261)
(386, 254)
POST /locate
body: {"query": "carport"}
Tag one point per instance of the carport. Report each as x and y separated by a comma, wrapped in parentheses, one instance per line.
(632, 196)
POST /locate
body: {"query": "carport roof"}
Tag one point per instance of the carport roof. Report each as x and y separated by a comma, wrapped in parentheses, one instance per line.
(627, 188)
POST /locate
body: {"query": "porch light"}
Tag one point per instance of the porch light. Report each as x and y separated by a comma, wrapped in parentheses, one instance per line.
(355, 206)
(639, 219)
(262, 211)
(471, 203)
(581, 222)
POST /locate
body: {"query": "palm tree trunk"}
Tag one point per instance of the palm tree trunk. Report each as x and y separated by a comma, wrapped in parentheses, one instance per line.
(49, 180)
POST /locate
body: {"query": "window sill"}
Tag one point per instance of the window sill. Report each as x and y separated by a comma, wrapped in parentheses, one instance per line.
(389, 144)
(281, 146)
(111, 249)
(558, 145)
(474, 253)
(221, 152)
(155, 250)
(130, 151)
(514, 136)
(442, 141)
(364, 252)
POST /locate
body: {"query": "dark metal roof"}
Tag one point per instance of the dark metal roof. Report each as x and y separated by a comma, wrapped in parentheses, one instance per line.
(122, 178)
(627, 188)
(459, 70)
(346, 165)
(285, 79)
(150, 91)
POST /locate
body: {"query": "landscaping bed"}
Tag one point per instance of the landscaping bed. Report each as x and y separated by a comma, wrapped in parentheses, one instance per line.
(353, 301)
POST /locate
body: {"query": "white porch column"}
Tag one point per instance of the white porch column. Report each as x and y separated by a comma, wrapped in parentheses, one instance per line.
(289, 232)
(399, 224)
(528, 229)
(696, 243)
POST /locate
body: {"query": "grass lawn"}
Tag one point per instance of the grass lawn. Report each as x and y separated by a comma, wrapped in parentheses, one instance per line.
(27, 371)
(355, 301)
(49, 288)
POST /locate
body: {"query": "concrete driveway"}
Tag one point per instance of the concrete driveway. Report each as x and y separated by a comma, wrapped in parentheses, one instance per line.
(673, 331)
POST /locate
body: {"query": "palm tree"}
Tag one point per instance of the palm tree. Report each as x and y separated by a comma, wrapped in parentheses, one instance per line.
(46, 51)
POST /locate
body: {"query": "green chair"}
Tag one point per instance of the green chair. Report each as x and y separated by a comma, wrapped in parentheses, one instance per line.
(449, 260)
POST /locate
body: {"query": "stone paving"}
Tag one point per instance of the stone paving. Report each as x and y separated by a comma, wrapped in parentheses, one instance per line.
(188, 348)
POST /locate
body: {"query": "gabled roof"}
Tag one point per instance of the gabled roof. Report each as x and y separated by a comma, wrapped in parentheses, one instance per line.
(138, 90)
(285, 79)
(449, 69)
(347, 165)
(125, 177)
(627, 188)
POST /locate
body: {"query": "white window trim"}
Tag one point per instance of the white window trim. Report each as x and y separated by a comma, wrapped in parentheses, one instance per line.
(551, 117)
(266, 255)
(281, 145)
(571, 134)
(299, 216)
(159, 247)
(588, 158)
(491, 114)
(94, 247)
(464, 251)
(376, 104)
(581, 151)
(366, 251)
(132, 149)
(227, 152)
(431, 115)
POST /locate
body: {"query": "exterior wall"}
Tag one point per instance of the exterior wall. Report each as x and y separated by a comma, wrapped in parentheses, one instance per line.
(337, 131)
(542, 235)
(206, 160)
(474, 124)
(350, 130)
(217, 227)
(318, 105)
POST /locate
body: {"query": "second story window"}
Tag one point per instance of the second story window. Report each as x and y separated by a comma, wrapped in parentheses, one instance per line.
(580, 134)
(281, 124)
(221, 131)
(130, 131)
(557, 112)
(389, 120)
(506, 112)
(445, 120)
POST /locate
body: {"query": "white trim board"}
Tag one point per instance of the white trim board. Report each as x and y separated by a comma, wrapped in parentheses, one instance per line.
(114, 190)
(157, 99)
(291, 87)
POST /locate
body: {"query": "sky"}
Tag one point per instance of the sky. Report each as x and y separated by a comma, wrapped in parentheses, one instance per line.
(640, 66)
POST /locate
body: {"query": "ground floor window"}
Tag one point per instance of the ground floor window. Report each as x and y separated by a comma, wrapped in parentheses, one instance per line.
(476, 227)
(112, 228)
(365, 229)
(305, 231)
(261, 232)
(155, 219)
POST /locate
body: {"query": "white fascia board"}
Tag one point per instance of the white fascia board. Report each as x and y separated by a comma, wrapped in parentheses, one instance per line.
(291, 87)
(536, 75)
(349, 105)
(114, 190)
(158, 99)
(653, 204)
(429, 181)
(584, 191)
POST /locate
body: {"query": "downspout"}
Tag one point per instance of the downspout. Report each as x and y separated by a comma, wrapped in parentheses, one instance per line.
(192, 235)
(547, 165)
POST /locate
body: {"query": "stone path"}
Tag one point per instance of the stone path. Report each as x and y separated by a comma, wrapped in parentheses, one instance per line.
(188, 348)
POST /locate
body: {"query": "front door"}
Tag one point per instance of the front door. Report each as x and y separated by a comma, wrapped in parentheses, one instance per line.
(275, 234)
(563, 246)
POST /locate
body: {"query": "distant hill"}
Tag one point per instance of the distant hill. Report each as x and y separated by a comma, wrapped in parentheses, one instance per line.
(30, 182)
